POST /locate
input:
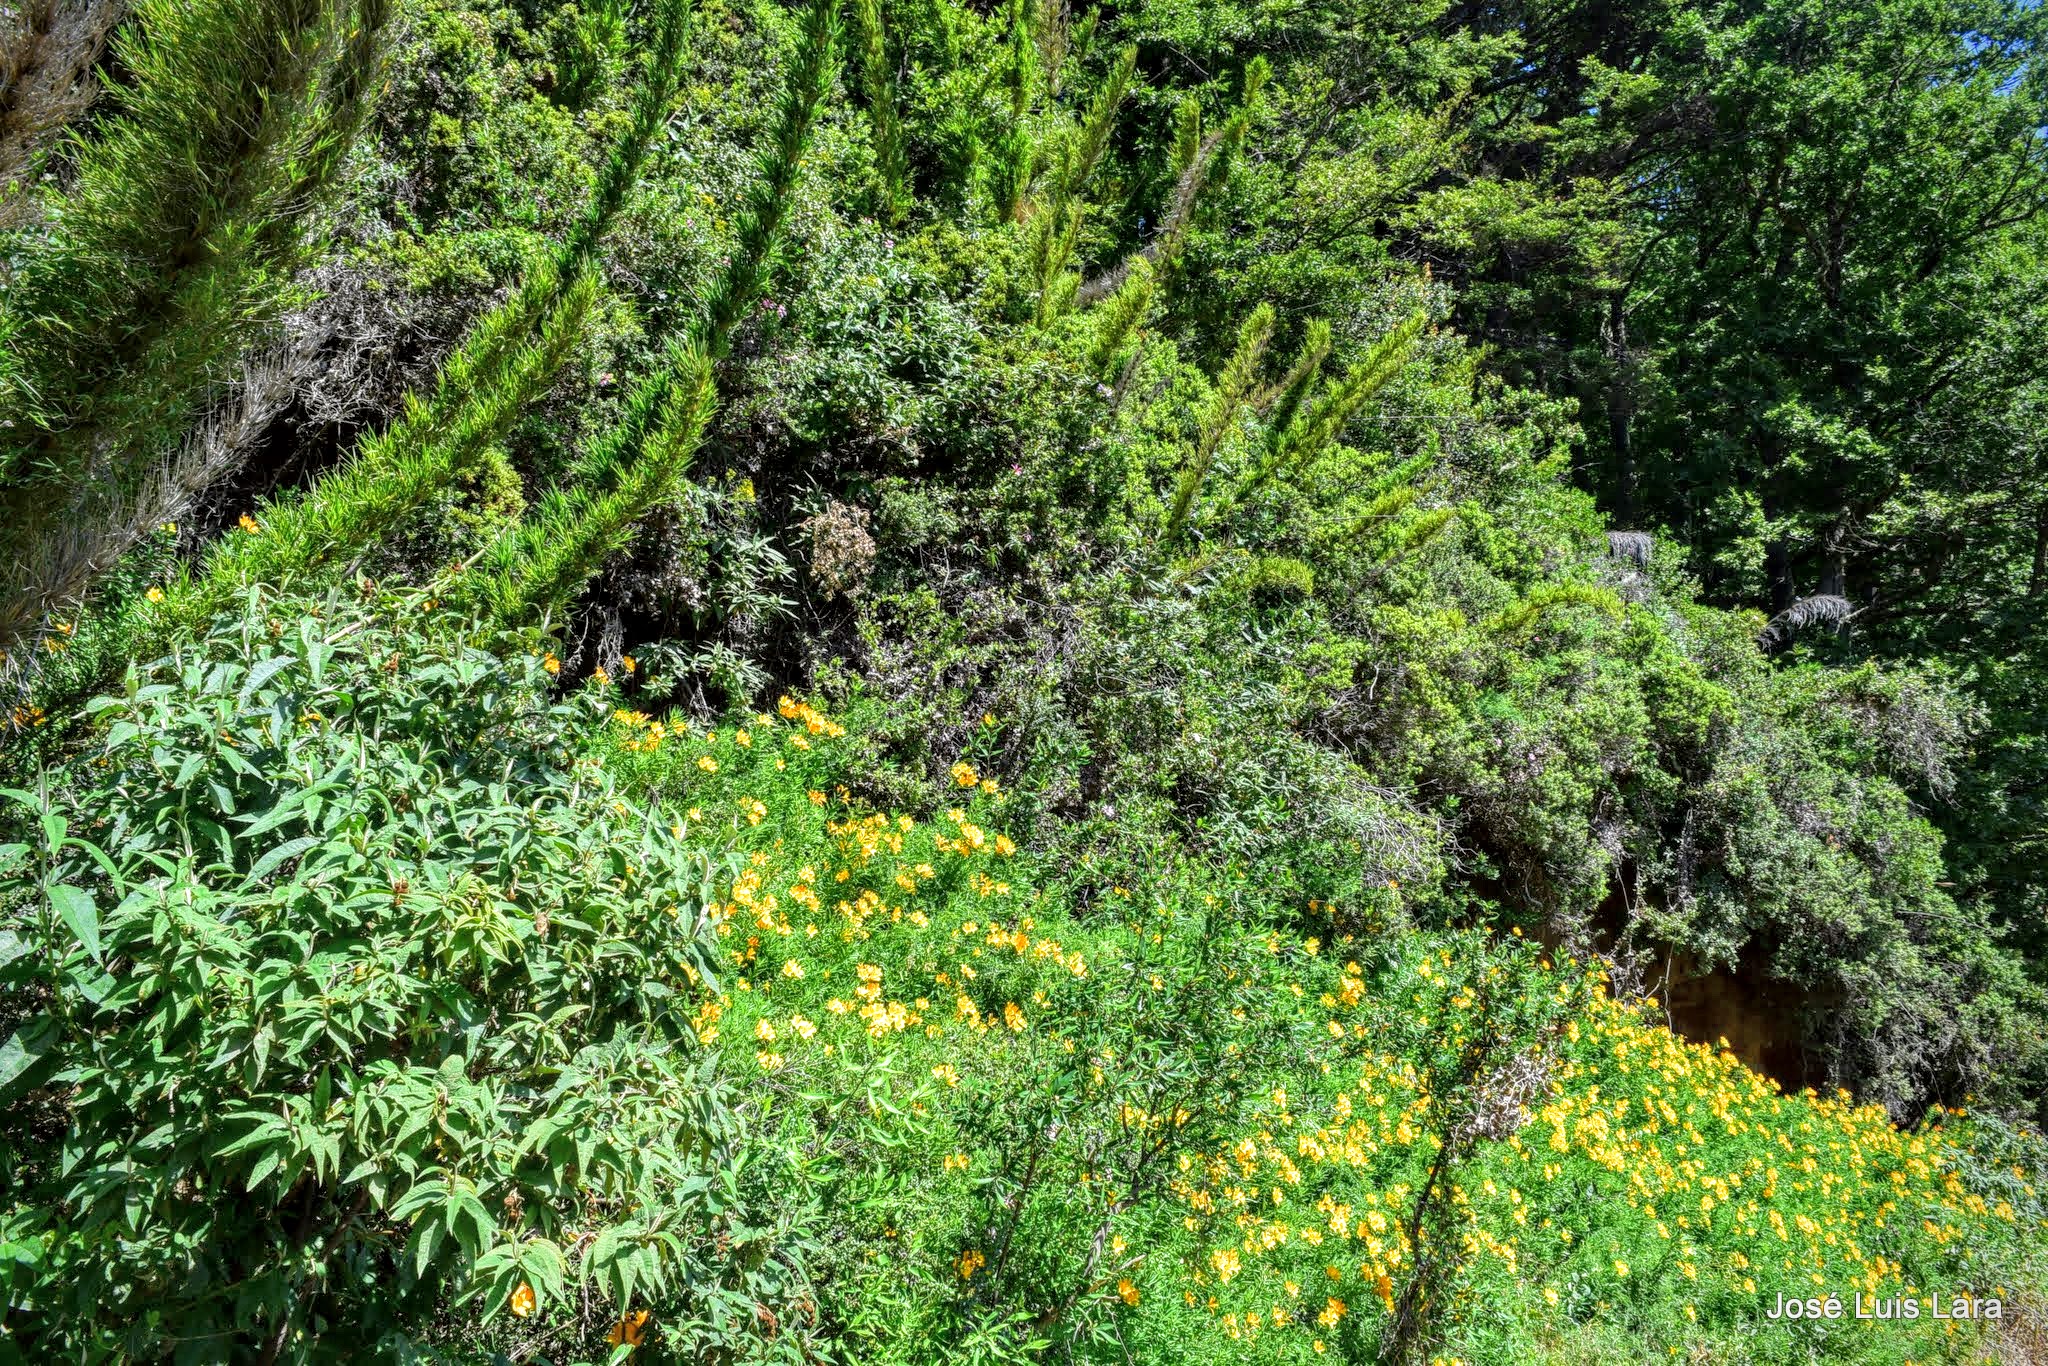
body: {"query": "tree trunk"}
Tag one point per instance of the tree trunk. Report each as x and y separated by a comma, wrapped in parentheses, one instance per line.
(1621, 401)
(2037, 581)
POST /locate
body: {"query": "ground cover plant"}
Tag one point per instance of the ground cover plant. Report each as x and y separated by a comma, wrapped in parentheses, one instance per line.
(763, 680)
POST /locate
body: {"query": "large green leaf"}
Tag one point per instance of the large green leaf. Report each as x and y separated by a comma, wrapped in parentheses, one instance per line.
(77, 909)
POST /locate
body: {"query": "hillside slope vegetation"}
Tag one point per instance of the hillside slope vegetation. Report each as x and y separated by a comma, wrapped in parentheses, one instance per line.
(904, 681)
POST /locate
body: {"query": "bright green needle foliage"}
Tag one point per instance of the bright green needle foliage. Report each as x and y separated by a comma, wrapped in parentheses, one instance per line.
(568, 538)
(768, 201)
(1299, 442)
(1187, 135)
(485, 348)
(188, 215)
(1299, 379)
(878, 86)
(1233, 388)
(1020, 69)
(1197, 161)
(1388, 495)
(545, 560)
(392, 475)
(1056, 228)
(1099, 123)
(1016, 152)
(1121, 317)
(509, 358)
(1551, 597)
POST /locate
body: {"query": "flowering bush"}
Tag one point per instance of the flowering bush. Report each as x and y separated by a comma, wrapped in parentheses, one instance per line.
(1171, 1126)
(1652, 1190)
(357, 978)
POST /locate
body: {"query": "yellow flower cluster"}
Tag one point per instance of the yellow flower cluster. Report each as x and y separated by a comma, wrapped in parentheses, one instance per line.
(1646, 1151)
(965, 776)
(813, 721)
(884, 899)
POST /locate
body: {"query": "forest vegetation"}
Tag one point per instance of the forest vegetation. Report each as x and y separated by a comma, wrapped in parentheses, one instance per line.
(1009, 680)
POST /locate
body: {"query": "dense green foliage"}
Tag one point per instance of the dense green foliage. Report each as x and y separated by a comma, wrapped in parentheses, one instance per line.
(319, 1011)
(1422, 641)
(180, 234)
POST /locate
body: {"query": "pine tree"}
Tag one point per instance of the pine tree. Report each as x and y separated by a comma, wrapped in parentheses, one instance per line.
(187, 219)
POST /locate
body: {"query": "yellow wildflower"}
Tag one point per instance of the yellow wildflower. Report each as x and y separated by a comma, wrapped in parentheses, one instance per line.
(628, 1331)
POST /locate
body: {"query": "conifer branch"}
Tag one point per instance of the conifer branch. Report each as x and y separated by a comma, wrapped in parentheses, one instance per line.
(1301, 441)
(809, 81)
(570, 542)
(1387, 496)
(510, 356)
(621, 170)
(1056, 231)
(1101, 118)
(1022, 67)
(738, 284)
(46, 62)
(1016, 153)
(878, 85)
(1284, 399)
(1233, 387)
(1187, 135)
(1549, 596)
(1120, 317)
(483, 351)
(186, 222)
(393, 474)
(1197, 159)
(545, 559)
